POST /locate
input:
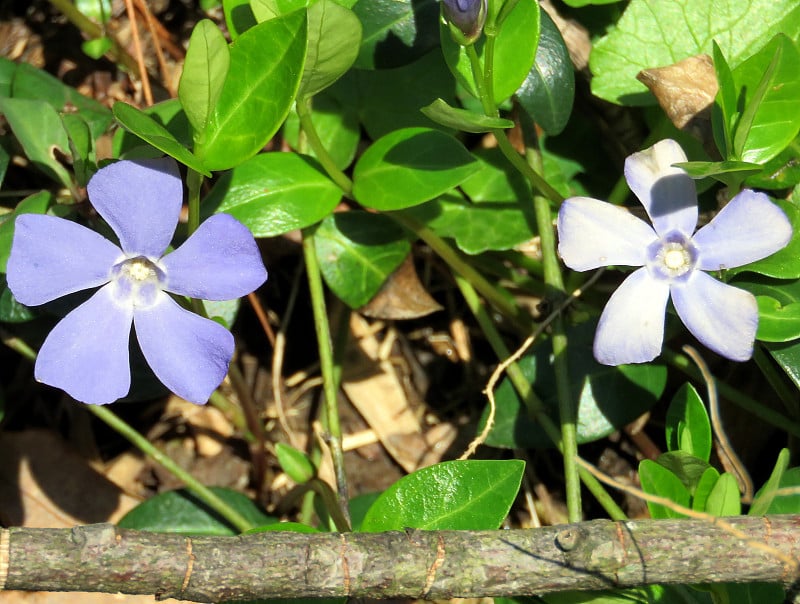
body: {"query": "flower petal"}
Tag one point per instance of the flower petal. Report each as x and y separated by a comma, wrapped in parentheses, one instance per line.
(52, 257)
(631, 328)
(668, 194)
(749, 228)
(86, 354)
(220, 261)
(141, 201)
(722, 317)
(188, 353)
(593, 233)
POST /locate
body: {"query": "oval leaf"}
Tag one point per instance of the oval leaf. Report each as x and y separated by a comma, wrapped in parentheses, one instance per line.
(777, 322)
(265, 68)
(688, 427)
(657, 480)
(408, 167)
(357, 252)
(181, 512)
(454, 495)
(462, 119)
(274, 193)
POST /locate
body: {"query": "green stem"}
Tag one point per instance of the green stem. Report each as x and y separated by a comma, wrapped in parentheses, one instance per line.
(303, 107)
(202, 492)
(194, 181)
(770, 416)
(536, 180)
(331, 409)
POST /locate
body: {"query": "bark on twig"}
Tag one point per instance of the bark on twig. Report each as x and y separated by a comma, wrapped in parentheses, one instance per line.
(413, 564)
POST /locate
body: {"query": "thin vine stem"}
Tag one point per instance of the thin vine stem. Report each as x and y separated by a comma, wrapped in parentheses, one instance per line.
(303, 107)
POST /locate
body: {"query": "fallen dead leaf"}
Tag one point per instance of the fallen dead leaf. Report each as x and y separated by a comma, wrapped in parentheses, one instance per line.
(402, 296)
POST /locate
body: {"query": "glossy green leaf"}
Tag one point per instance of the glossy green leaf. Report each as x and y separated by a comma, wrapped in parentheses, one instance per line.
(462, 119)
(653, 33)
(359, 506)
(787, 355)
(477, 227)
(495, 179)
(548, 91)
(408, 167)
(781, 172)
(787, 504)
(170, 115)
(726, 172)
(688, 428)
(150, 131)
(396, 32)
(358, 251)
(514, 51)
(658, 480)
(335, 118)
(724, 499)
(181, 512)
(608, 398)
(767, 125)
(295, 463)
(454, 495)
(81, 147)
(204, 72)
(257, 94)
(777, 322)
(703, 489)
(785, 263)
(39, 130)
(12, 311)
(334, 33)
(766, 494)
(274, 193)
(238, 16)
(264, 10)
(389, 99)
(724, 113)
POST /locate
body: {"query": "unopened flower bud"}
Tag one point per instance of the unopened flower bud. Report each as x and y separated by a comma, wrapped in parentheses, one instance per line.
(465, 18)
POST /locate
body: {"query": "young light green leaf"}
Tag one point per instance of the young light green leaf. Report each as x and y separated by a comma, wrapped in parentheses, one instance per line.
(547, 92)
(181, 512)
(724, 113)
(463, 119)
(652, 33)
(724, 499)
(334, 34)
(204, 72)
(274, 193)
(257, 93)
(358, 251)
(39, 130)
(408, 167)
(768, 124)
(514, 51)
(658, 480)
(150, 131)
(295, 463)
(688, 428)
(703, 489)
(454, 495)
(765, 495)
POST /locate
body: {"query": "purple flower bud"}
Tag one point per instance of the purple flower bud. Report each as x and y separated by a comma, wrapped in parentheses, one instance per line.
(468, 16)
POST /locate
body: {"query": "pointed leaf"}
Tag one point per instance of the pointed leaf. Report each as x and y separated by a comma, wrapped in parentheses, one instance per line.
(688, 427)
(724, 499)
(658, 480)
(762, 501)
(462, 119)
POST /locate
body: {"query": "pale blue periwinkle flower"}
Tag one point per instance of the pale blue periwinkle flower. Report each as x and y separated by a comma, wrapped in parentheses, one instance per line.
(86, 354)
(673, 257)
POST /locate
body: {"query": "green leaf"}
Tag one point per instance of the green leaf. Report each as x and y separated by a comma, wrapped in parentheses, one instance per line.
(777, 322)
(688, 428)
(495, 179)
(181, 512)
(97, 47)
(238, 16)
(462, 119)
(724, 497)
(766, 494)
(39, 130)
(454, 495)
(607, 398)
(170, 115)
(295, 463)
(787, 504)
(724, 112)
(726, 172)
(787, 355)
(408, 167)
(781, 172)
(514, 51)
(703, 488)
(257, 94)
(5, 158)
(477, 227)
(548, 91)
(150, 131)
(396, 32)
(766, 126)
(335, 118)
(358, 251)
(204, 72)
(658, 480)
(264, 10)
(81, 147)
(688, 468)
(785, 263)
(12, 311)
(274, 193)
(652, 33)
(334, 33)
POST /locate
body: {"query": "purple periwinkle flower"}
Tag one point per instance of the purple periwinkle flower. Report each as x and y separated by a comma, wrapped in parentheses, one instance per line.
(673, 257)
(86, 354)
(468, 16)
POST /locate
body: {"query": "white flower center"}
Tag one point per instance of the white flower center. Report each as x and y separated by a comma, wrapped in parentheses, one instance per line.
(672, 257)
(137, 281)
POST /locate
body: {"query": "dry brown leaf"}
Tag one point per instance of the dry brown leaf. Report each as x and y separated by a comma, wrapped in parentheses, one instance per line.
(401, 297)
(686, 92)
